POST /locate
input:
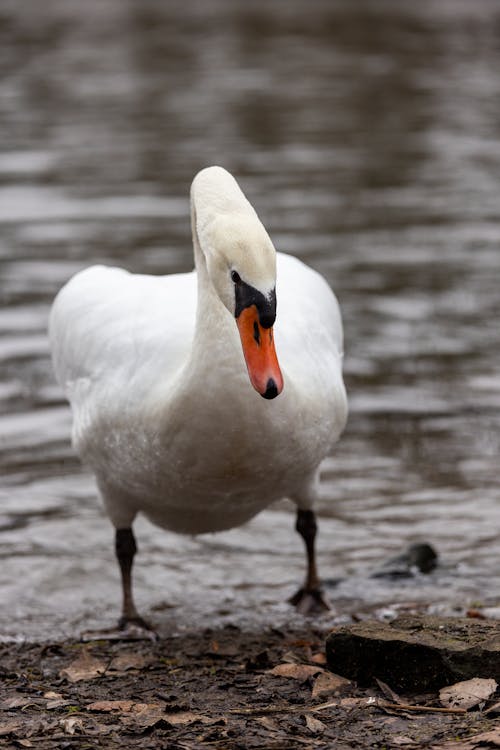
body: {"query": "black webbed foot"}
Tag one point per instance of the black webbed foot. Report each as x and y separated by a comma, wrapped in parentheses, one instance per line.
(309, 602)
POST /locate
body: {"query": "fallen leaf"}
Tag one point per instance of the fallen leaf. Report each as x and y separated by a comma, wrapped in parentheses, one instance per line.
(18, 701)
(388, 691)
(290, 657)
(9, 727)
(188, 717)
(328, 683)
(399, 740)
(86, 667)
(314, 725)
(295, 671)
(127, 661)
(132, 713)
(38, 727)
(319, 658)
(468, 693)
(485, 739)
(269, 724)
(53, 696)
(71, 724)
(145, 715)
(24, 743)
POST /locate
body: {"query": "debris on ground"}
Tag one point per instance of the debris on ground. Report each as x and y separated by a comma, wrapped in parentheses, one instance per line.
(223, 689)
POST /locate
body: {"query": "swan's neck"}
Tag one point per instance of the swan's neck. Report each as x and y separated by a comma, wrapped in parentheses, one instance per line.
(214, 324)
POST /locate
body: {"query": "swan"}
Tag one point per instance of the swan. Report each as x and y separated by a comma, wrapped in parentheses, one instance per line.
(200, 398)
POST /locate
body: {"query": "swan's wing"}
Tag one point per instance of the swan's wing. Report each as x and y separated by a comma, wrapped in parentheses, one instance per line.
(109, 328)
(308, 325)
(309, 344)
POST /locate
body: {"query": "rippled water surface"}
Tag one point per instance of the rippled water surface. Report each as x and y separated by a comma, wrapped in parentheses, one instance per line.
(367, 135)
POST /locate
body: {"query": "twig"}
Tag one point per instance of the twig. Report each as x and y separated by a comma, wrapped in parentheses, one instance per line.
(421, 709)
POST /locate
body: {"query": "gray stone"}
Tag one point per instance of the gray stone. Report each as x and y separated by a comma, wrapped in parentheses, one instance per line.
(416, 653)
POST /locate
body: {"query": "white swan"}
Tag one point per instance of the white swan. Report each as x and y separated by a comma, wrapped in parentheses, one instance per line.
(163, 405)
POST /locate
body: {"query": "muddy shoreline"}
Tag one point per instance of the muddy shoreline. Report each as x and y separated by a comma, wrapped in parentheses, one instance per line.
(222, 688)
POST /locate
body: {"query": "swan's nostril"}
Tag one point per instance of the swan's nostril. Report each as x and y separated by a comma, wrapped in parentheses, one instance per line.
(271, 389)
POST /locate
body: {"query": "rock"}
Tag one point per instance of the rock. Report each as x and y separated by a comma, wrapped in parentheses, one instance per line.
(416, 653)
(417, 557)
(414, 559)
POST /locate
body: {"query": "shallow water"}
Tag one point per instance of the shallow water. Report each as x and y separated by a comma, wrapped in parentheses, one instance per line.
(368, 138)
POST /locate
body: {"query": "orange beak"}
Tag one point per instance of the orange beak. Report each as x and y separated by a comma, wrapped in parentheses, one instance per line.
(260, 354)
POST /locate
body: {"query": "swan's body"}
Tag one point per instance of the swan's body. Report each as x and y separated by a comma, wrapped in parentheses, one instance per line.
(164, 410)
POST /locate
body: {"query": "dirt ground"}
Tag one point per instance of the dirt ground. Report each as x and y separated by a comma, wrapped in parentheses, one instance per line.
(216, 689)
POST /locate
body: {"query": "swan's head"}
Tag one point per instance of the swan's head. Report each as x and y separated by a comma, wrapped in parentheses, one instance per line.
(241, 265)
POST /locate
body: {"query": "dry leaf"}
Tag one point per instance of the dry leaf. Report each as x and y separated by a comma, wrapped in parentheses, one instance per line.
(188, 717)
(319, 658)
(314, 725)
(468, 693)
(270, 724)
(290, 657)
(388, 691)
(124, 662)
(143, 714)
(295, 671)
(71, 724)
(53, 696)
(328, 683)
(485, 739)
(25, 743)
(146, 715)
(86, 667)
(400, 740)
(18, 701)
(9, 727)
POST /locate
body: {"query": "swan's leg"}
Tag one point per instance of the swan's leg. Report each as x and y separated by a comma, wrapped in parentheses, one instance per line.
(130, 625)
(126, 548)
(309, 598)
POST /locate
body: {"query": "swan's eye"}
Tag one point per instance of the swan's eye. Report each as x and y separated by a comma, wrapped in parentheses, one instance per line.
(236, 277)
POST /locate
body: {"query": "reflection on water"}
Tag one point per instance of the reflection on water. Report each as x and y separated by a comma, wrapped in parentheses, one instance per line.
(368, 138)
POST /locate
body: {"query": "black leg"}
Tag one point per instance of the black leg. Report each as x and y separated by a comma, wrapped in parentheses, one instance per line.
(130, 625)
(309, 598)
(125, 548)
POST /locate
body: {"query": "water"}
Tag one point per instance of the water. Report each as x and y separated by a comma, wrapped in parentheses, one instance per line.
(367, 135)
